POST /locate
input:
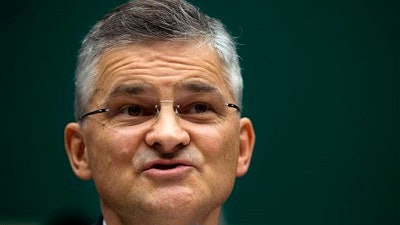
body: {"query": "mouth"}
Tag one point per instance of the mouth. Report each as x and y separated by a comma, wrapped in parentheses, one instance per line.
(158, 166)
(167, 169)
(165, 165)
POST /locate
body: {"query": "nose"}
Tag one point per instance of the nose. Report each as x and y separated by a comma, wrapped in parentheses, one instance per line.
(166, 134)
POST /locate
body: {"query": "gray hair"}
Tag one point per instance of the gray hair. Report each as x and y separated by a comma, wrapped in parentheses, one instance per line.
(153, 20)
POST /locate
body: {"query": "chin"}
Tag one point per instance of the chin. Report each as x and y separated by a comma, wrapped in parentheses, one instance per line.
(175, 202)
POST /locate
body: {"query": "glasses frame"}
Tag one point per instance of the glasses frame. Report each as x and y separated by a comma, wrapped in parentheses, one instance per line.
(103, 110)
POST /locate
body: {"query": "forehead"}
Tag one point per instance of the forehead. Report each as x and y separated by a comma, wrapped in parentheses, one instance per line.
(160, 65)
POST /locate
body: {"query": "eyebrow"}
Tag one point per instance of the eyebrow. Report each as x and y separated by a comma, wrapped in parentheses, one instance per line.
(193, 86)
(130, 89)
(197, 86)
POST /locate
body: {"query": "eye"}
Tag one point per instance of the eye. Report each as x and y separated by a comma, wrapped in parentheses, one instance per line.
(195, 108)
(133, 110)
(200, 107)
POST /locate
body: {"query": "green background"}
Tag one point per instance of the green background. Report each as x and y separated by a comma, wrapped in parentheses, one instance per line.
(321, 86)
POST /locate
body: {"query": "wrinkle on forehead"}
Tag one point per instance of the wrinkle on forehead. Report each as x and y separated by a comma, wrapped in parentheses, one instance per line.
(165, 62)
(189, 86)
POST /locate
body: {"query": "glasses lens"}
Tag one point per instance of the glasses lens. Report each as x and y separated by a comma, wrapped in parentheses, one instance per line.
(202, 108)
(131, 111)
(206, 108)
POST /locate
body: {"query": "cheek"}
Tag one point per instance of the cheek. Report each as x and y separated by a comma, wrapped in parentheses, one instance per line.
(112, 148)
(219, 146)
(220, 150)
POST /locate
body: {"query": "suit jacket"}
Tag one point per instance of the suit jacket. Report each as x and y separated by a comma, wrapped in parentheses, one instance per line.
(99, 221)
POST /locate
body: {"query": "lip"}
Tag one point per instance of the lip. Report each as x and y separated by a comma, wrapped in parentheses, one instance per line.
(167, 168)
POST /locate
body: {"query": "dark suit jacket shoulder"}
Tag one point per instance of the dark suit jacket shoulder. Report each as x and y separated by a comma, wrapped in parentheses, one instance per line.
(99, 221)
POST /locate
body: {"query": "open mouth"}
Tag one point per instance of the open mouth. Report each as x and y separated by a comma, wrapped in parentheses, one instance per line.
(165, 167)
(168, 170)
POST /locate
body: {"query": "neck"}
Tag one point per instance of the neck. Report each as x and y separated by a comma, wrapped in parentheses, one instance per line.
(182, 218)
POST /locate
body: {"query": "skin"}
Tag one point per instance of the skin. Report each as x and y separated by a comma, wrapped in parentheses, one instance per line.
(115, 157)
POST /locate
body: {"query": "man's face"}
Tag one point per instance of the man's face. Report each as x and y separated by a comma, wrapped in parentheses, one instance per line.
(165, 166)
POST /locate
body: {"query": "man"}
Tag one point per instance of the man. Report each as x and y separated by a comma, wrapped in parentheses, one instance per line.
(158, 96)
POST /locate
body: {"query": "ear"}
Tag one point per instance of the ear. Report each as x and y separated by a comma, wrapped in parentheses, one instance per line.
(76, 150)
(247, 140)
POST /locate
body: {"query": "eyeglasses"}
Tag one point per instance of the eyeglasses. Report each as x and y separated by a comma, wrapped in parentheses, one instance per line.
(199, 108)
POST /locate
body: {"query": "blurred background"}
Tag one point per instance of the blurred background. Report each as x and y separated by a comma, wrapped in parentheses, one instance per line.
(321, 85)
